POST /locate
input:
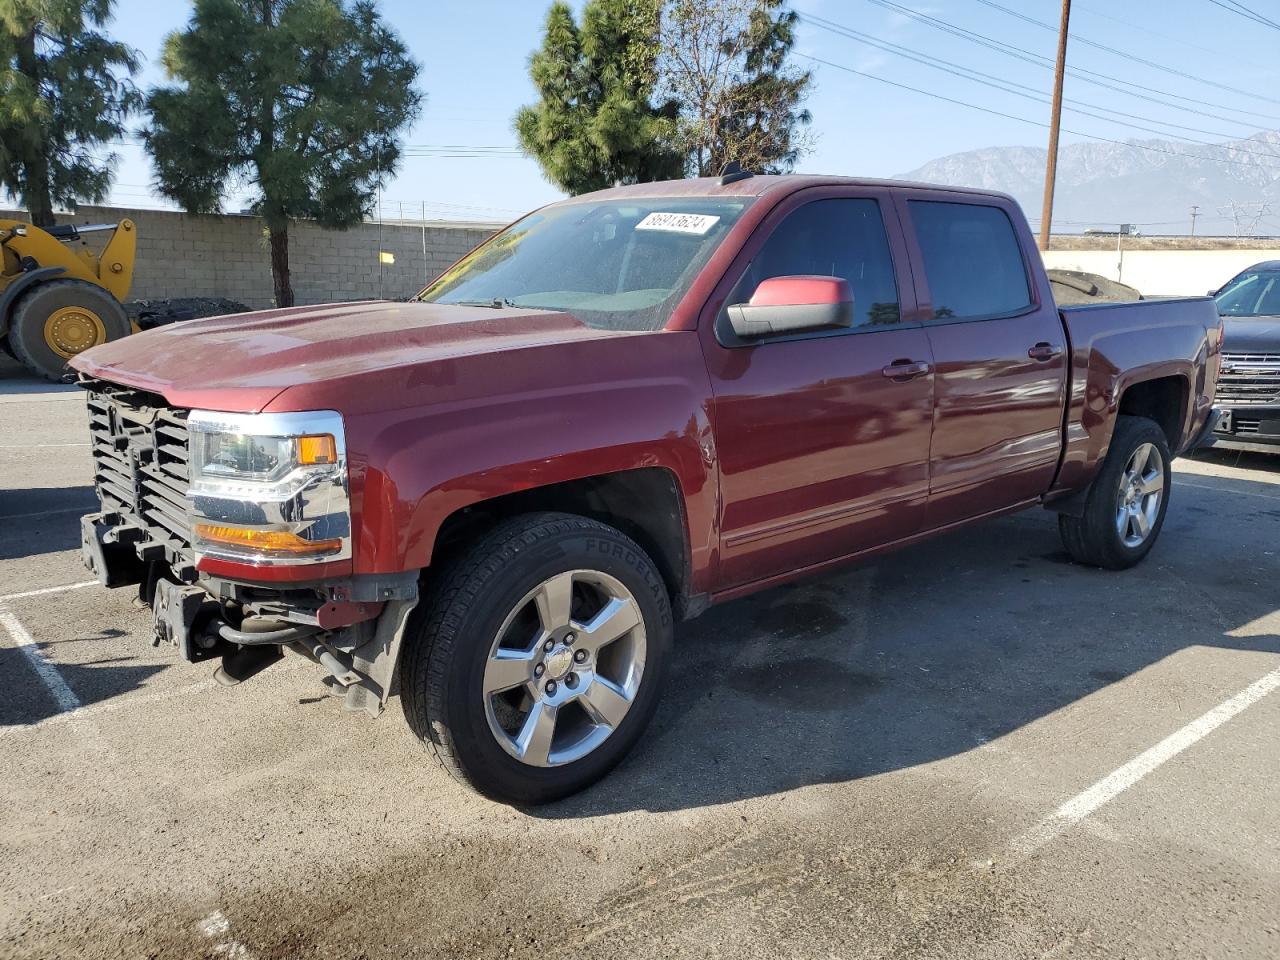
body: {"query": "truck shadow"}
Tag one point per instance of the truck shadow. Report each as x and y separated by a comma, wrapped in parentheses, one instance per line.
(935, 651)
(42, 520)
(27, 700)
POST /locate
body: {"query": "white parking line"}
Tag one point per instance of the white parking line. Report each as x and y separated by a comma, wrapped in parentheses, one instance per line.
(1115, 783)
(216, 926)
(1233, 492)
(62, 694)
(40, 593)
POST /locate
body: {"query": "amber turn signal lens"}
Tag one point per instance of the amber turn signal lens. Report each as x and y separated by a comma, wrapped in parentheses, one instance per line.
(316, 450)
(266, 541)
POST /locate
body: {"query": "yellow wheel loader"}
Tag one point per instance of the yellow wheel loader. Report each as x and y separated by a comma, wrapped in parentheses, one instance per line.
(58, 295)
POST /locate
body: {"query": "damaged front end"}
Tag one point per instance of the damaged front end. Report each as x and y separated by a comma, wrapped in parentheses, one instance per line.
(234, 528)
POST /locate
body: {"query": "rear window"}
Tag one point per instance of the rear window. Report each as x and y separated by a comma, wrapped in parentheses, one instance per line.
(972, 260)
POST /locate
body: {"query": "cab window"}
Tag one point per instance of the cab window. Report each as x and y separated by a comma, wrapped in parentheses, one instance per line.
(973, 264)
(830, 238)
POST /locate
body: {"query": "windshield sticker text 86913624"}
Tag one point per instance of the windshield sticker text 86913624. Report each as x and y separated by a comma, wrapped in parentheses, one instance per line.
(696, 223)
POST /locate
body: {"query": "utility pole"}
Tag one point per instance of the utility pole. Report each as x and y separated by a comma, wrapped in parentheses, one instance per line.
(1051, 169)
(1195, 212)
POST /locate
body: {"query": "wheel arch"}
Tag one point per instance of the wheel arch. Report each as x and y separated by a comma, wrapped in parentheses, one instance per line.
(645, 503)
(1164, 400)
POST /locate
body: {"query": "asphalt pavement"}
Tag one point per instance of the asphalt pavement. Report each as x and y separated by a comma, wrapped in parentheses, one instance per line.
(970, 748)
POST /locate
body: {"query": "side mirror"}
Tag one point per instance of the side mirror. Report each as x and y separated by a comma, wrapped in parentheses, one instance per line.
(1212, 293)
(794, 305)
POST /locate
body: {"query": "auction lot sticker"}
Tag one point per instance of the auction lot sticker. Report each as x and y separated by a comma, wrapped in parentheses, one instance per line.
(696, 223)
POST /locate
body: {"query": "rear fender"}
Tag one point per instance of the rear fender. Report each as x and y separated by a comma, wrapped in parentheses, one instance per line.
(1119, 346)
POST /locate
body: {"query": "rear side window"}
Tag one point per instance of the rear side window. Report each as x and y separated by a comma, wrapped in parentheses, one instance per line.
(832, 238)
(972, 261)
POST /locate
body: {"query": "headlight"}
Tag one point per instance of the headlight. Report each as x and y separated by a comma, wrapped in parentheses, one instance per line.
(270, 488)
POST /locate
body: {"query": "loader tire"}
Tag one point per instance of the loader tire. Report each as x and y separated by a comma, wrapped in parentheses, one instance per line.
(54, 321)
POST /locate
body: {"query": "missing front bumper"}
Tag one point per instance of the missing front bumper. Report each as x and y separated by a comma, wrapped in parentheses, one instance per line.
(352, 629)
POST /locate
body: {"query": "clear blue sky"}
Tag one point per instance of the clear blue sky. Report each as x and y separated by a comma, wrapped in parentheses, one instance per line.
(474, 72)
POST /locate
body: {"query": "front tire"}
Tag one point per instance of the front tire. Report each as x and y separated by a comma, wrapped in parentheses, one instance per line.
(536, 661)
(1125, 507)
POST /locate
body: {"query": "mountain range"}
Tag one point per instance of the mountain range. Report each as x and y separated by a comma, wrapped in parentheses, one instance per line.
(1150, 183)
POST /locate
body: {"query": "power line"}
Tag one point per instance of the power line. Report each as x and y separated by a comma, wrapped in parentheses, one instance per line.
(1121, 53)
(1243, 11)
(1017, 89)
(1165, 36)
(1009, 116)
(1088, 76)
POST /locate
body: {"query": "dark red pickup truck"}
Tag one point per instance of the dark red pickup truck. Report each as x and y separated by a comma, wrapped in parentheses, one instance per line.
(623, 408)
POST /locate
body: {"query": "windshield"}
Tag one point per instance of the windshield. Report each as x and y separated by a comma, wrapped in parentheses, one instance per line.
(1255, 293)
(614, 264)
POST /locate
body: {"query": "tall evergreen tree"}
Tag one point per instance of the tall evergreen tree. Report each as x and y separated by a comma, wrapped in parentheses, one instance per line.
(64, 92)
(651, 89)
(595, 123)
(303, 99)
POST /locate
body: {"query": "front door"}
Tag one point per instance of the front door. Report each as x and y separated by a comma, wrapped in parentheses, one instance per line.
(823, 448)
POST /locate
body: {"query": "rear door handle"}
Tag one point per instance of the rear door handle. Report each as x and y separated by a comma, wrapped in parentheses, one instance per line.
(904, 370)
(1044, 350)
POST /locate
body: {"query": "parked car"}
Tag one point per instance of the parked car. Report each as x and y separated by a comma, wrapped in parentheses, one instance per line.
(1248, 396)
(623, 408)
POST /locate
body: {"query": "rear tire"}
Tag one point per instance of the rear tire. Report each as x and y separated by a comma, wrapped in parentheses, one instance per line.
(58, 319)
(1125, 507)
(536, 660)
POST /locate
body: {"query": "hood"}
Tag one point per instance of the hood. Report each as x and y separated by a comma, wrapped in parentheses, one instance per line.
(240, 363)
(1251, 334)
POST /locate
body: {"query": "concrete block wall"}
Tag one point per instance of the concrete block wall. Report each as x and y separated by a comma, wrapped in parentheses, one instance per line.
(186, 255)
(1182, 273)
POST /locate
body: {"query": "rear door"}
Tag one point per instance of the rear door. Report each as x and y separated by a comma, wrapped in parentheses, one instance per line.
(823, 451)
(999, 351)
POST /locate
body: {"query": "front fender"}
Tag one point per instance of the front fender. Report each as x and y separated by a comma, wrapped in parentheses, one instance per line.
(495, 424)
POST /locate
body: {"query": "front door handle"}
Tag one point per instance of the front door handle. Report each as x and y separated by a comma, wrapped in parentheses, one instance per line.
(904, 370)
(1044, 350)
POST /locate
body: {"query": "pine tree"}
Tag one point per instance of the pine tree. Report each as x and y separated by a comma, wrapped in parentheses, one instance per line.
(305, 99)
(64, 91)
(595, 124)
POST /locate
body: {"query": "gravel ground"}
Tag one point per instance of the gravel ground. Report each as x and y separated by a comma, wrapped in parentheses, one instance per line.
(971, 748)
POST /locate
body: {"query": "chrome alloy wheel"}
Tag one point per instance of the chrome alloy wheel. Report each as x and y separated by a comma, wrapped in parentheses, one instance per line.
(564, 668)
(1140, 494)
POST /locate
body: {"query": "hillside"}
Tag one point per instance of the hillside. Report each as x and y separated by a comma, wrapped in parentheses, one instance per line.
(1103, 184)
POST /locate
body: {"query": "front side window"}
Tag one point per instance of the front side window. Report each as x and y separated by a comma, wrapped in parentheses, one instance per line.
(613, 264)
(1255, 293)
(972, 260)
(831, 238)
